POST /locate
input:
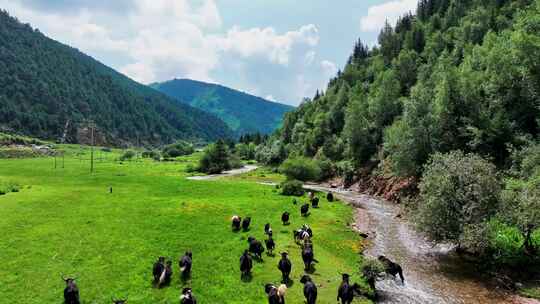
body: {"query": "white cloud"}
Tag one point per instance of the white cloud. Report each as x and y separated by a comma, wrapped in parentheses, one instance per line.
(270, 97)
(309, 58)
(390, 10)
(329, 68)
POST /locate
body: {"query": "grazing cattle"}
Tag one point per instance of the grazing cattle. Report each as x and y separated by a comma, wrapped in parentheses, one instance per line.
(158, 269)
(285, 266)
(267, 229)
(245, 223)
(124, 301)
(303, 233)
(315, 202)
(187, 297)
(166, 275)
(185, 264)
(276, 295)
(392, 268)
(307, 255)
(310, 289)
(236, 220)
(285, 218)
(304, 210)
(71, 292)
(270, 244)
(346, 291)
(255, 247)
(330, 197)
(245, 264)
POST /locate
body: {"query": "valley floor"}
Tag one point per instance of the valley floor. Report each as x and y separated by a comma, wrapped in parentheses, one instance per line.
(66, 221)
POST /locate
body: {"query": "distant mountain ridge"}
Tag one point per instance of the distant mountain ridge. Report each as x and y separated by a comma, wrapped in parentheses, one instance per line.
(50, 90)
(242, 112)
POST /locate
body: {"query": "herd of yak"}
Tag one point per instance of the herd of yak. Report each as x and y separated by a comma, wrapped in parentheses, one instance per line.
(162, 270)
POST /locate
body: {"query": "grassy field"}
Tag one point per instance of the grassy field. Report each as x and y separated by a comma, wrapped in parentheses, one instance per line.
(64, 220)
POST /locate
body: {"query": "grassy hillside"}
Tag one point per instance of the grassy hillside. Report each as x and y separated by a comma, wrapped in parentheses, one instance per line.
(48, 89)
(242, 112)
(66, 221)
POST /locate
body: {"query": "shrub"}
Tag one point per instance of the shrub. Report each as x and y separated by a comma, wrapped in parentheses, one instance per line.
(371, 270)
(327, 169)
(7, 187)
(457, 192)
(345, 169)
(128, 155)
(179, 148)
(292, 187)
(216, 158)
(300, 168)
(106, 149)
(151, 154)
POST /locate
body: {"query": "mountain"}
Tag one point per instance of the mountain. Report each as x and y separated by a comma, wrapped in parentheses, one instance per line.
(49, 90)
(242, 112)
(458, 75)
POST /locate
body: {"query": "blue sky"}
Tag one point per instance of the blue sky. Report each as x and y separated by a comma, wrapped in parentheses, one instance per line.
(281, 49)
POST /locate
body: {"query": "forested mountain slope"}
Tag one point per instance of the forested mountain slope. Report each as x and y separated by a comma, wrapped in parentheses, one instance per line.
(244, 113)
(48, 89)
(459, 75)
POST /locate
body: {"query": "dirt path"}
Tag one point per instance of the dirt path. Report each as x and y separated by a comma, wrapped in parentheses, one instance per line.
(232, 172)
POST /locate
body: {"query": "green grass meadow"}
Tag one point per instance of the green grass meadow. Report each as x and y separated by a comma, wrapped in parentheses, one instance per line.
(65, 221)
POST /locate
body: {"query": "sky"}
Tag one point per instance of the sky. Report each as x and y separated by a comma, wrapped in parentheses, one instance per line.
(282, 50)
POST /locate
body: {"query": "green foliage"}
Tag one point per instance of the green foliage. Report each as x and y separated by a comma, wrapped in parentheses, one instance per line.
(179, 148)
(242, 112)
(216, 158)
(245, 151)
(48, 86)
(292, 188)
(301, 168)
(8, 186)
(457, 192)
(128, 155)
(155, 155)
(371, 271)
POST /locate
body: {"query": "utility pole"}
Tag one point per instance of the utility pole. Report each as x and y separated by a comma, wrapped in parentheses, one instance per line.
(92, 149)
(63, 159)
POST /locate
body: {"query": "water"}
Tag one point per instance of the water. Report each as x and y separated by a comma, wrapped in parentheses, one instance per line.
(433, 274)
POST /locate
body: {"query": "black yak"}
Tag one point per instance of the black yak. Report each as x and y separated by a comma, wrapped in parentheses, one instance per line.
(185, 264)
(245, 223)
(285, 218)
(315, 202)
(166, 275)
(307, 255)
(71, 292)
(346, 291)
(270, 244)
(115, 301)
(255, 247)
(187, 297)
(246, 264)
(392, 268)
(330, 197)
(267, 229)
(304, 210)
(276, 295)
(310, 289)
(302, 234)
(158, 269)
(236, 220)
(285, 266)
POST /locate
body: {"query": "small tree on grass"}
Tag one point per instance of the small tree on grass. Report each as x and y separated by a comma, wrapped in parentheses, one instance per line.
(458, 191)
(300, 168)
(371, 270)
(292, 187)
(215, 158)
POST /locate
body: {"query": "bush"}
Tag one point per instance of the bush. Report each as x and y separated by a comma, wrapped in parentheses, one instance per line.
(7, 187)
(106, 149)
(292, 187)
(300, 168)
(371, 270)
(152, 154)
(457, 192)
(179, 148)
(345, 169)
(216, 158)
(327, 169)
(128, 155)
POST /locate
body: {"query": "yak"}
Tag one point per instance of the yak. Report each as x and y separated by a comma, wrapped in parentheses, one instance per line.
(330, 197)
(310, 289)
(246, 264)
(285, 218)
(347, 291)
(236, 220)
(166, 275)
(307, 255)
(185, 264)
(267, 229)
(245, 223)
(276, 295)
(71, 292)
(304, 210)
(158, 269)
(315, 202)
(285, 266)
(270, 244)
(255, 247)
(392, 268)
(187, 297)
